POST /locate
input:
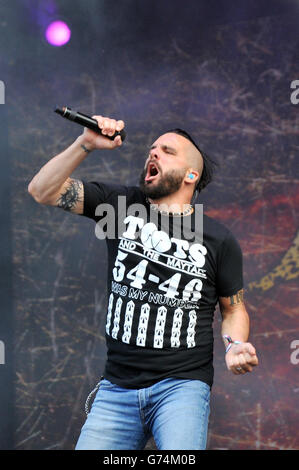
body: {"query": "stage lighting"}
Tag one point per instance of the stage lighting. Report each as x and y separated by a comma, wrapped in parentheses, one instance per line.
(58, 33)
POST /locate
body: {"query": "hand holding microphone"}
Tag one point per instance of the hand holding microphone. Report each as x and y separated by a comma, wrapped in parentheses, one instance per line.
(110, 136)
(99, 132)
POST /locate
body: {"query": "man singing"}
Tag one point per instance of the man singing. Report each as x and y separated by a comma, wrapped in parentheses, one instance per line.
(166, 274)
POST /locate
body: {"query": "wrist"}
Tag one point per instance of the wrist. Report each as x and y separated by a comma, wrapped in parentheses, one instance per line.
(84, 144)
(229, 342)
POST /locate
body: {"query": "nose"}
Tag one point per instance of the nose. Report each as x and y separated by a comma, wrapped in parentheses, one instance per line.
(154, 154)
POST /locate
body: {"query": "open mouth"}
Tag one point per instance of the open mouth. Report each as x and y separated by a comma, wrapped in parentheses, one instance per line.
(152, 172)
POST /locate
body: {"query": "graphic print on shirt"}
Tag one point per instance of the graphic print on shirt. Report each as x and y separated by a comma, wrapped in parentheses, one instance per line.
(156, 288)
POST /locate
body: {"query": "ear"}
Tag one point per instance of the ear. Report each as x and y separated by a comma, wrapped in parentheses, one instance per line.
(191, 176)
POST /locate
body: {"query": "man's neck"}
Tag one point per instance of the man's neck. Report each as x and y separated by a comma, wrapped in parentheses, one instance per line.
(172, 203)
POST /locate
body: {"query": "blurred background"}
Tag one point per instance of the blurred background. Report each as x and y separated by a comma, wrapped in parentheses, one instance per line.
(222, 70)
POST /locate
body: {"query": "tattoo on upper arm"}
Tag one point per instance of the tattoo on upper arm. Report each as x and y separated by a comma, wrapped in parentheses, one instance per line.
(237, 298)
(71, 196)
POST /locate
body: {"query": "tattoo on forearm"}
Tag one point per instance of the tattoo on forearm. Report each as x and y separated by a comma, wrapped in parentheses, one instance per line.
(71, 196)
(238, 298)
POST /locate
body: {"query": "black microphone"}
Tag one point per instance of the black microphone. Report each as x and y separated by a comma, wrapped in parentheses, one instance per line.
(86, 121)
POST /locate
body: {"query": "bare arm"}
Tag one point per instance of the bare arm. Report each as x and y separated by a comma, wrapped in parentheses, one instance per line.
(53, 184)
(235, 323)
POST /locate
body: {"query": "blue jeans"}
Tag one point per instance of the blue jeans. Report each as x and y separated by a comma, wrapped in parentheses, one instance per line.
(174, 411)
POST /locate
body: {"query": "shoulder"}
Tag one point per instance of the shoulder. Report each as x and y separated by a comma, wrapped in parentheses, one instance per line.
(110, 190)
(215, 228)
(100, 193)
(135, 194)
(219, 235)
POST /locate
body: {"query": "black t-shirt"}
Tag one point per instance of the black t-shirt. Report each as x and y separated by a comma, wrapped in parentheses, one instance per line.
(163, 286)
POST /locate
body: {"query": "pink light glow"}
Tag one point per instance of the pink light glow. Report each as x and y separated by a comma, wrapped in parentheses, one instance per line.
(58, 33)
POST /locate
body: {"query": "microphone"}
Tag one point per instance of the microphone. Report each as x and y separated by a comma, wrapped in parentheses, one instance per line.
(86, 121)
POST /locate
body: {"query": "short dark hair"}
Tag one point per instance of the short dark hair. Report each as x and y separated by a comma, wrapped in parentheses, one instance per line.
(208, 164)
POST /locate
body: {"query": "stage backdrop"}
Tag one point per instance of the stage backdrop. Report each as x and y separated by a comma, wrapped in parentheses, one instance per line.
(226, 79)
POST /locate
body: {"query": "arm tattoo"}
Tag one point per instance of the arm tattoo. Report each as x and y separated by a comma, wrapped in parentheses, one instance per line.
(71, 196)
(237, 298)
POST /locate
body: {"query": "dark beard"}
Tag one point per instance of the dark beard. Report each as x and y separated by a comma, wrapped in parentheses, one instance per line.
(168, 184)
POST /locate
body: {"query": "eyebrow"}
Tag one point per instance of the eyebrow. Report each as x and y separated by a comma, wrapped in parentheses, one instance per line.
(164, 147)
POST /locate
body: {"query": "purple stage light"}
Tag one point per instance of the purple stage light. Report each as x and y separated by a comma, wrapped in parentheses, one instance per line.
(58, 33)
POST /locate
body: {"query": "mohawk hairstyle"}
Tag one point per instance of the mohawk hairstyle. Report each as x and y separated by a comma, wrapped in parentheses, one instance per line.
(208, 164)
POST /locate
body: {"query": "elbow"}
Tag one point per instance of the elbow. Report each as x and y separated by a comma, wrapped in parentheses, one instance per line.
(30, 188)
(33, 191)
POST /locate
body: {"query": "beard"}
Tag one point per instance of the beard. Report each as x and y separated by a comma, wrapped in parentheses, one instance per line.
(168, 184)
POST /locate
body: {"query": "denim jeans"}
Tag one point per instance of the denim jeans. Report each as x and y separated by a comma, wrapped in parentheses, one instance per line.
(174, 411)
